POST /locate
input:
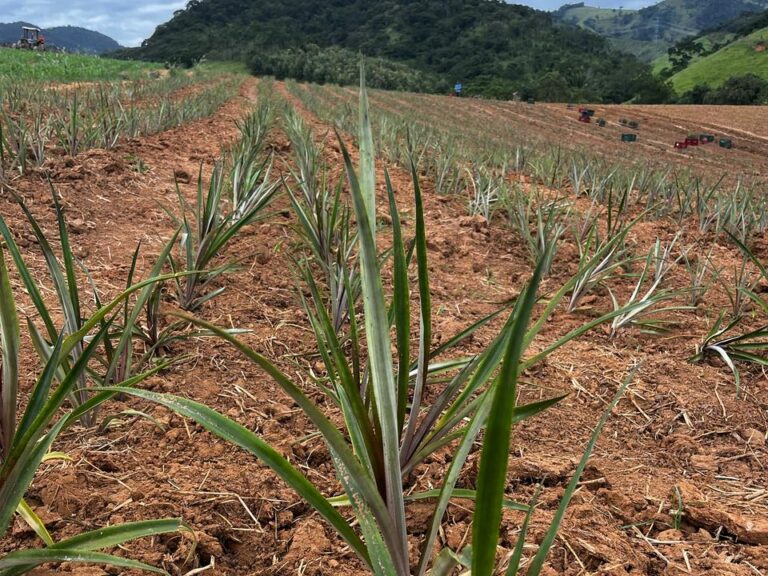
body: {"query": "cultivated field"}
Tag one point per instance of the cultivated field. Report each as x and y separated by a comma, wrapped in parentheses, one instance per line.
(229, 198)
(53, 67)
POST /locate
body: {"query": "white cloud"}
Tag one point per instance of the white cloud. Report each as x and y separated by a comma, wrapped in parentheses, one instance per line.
(160, 8)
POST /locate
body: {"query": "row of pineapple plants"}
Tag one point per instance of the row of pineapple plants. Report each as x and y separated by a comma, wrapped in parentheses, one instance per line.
(35, 126)
(379, 385)
(574, 194)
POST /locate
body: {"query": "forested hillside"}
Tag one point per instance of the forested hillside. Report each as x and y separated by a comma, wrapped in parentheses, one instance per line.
(493, 48)
(649, 32)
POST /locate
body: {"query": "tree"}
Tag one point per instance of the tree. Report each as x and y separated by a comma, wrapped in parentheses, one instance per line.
(698, 95)
(553, 88)
(740, 90)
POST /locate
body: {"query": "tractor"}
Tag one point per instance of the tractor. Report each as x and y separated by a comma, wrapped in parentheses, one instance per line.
(31, 39)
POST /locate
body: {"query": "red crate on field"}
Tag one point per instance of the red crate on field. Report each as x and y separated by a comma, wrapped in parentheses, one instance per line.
(681, 145)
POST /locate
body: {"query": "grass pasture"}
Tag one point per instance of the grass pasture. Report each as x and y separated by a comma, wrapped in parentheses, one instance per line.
(737, 59)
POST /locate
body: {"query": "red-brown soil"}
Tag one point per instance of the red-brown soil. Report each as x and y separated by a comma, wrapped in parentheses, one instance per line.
(680, 425)
(659, 127)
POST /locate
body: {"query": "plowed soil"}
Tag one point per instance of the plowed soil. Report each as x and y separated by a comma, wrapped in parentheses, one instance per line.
(659, 127)
(677, 484)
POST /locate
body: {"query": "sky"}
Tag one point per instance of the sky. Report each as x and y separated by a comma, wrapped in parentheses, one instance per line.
(127, 21)
(131, 21)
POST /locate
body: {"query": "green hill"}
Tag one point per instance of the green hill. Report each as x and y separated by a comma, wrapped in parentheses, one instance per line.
(649, 32)
(690, 50)
(733, 49)
(747, 55)
(81, 40)
(494, 48)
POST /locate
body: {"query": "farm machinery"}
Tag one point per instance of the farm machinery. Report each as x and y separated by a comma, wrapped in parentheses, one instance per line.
(700, 139)
(585, 115)
(31, 39)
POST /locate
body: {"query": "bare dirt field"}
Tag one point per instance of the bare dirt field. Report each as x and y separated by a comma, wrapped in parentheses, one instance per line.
(678, 482)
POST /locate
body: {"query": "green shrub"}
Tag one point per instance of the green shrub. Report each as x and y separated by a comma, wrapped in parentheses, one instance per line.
(340, 66)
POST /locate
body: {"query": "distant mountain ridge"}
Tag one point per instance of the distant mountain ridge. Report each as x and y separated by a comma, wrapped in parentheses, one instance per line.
(71, 38)
(649, 32)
